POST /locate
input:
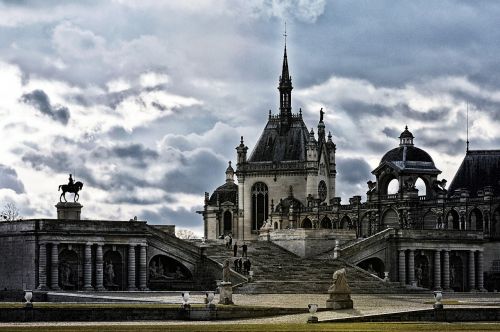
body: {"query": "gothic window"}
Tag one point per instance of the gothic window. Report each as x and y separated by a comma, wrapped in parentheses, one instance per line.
(322, 190)
(228, 222)
(260, 205)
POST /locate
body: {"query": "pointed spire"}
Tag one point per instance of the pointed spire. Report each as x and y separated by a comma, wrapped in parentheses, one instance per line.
(285, 87)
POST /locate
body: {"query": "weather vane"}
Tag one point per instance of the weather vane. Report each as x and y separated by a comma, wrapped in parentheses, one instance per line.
(285, 35)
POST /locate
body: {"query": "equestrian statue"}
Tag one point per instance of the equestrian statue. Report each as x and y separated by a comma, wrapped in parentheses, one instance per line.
(71, 187)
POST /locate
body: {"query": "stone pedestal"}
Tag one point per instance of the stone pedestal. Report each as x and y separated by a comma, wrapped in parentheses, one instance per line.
(69, 210)
(226, 293)
(339, 301)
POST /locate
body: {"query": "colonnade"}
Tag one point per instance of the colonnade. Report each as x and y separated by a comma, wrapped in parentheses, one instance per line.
(440, 275)
(51, 281)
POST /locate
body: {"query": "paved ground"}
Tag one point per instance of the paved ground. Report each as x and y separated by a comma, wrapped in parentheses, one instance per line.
(363, 305)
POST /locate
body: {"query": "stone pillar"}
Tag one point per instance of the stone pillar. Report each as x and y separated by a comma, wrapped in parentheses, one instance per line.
(42, 267)
(472, 271)
(480, 276)
(55, 267)
(446, 269)
(131, 267)
(87, 267)
(437, 269)
(402, 267)
(411, 267)
(143, 269)
(99, 268)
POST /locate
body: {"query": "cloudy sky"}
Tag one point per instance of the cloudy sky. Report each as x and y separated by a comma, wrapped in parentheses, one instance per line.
(145, 101)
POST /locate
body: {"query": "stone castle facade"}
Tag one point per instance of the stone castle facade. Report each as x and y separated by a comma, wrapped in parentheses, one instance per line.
(441, 239)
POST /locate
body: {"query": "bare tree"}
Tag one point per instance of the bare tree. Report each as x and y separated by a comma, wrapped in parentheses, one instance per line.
(10, 212)
(185, 234)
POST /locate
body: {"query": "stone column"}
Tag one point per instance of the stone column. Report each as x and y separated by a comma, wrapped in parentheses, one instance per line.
(99, 268)
(42, 267)
(480, 276)
(446, 269)
(55, 267)
(437, 270)
(87, 267)
(472, 271)
(411, 267)
(402, 267)
(143, 270)
(131, 267)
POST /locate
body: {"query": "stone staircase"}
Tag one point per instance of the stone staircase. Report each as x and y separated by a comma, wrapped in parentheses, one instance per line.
(277, 270)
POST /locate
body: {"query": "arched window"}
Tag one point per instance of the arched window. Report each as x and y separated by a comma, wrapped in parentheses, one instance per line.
(421, 187)
(345, 223)
(326, 223)
(228, 222)
(260, 205)
(476, 220)
(393, 187)
(306, 223)
(453, 220)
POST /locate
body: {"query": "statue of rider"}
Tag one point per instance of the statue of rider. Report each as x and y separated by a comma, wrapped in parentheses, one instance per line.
(71, 182)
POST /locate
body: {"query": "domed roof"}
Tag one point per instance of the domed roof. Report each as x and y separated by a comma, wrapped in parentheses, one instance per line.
(406, 133)
(407, 153)
(228, 192)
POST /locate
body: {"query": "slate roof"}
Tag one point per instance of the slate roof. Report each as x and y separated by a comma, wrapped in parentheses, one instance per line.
(480, 168)
(408, 153)
(226, 193)
(272, 146)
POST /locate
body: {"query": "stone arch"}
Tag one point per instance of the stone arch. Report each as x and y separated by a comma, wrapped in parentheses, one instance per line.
(390, 218)
(326, 223)
(276, 225)
(228, 222)
(373, 265)
(430, 220)
(422, 186)
(114, 271)
(164, 270)
(306, 223)
(384, 182)
(70, 271)
(392, 187)
(345, 222)
(475, 220)
(495, 223)
(260, 205)
(453, 219)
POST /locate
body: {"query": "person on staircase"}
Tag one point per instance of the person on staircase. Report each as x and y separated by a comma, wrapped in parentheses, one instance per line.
(244, 249)
(235, 249)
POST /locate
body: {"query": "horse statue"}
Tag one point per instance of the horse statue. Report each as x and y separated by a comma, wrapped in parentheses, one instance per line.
(70, 188)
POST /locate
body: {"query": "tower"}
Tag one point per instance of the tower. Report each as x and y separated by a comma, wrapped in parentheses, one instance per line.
(285, 88)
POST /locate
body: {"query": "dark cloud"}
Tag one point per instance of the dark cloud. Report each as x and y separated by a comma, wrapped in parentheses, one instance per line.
(40, 100)
(356, 109)
(391, 132)
(353, 170)
(181, 217)
(9, 179)
(135, 155)
(197, 173)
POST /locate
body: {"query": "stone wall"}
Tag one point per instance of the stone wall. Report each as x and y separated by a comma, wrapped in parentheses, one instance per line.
(308, 242)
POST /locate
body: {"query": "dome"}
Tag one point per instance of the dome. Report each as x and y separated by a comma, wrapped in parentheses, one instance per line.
(407, 153)
(406, 134)
(228, 192)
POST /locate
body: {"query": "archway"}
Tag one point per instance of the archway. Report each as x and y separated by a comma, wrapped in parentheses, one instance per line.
(453, 220)
(69, 270)
(164, 270)
(422, 275)
(345, 222)
(228, 222)
(365, 225)
(326, 223)
(306, 223)
(456, 274)
(476, 220)
(421, 187)
(393, 187)
(390, 219)
(374, 266)
(113, 271)
(260, 205)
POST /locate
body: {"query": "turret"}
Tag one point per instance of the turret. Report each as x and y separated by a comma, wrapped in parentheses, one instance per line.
(230, 174)
(406, 138)
(242, 153)
(331, 148)
(312, 147)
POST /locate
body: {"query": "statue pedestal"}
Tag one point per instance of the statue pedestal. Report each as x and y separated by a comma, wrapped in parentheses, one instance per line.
(69, 210)
(339, 301)
(226, 293)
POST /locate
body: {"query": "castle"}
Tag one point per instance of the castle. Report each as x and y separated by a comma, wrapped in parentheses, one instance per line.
(441, 239)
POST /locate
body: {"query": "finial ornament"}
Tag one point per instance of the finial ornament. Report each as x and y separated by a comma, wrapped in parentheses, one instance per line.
(321, 113)
(406, 127)
(241, 140)
(285, 35)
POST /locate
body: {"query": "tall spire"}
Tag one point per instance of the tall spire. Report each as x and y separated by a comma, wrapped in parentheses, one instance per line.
(285, 87)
